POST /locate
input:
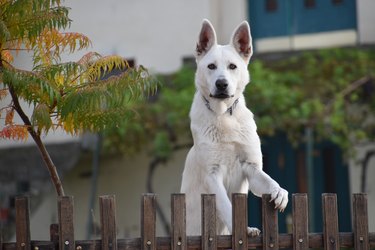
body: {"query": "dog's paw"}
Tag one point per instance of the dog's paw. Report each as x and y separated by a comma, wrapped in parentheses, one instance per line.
(253, 231)
(280, 197)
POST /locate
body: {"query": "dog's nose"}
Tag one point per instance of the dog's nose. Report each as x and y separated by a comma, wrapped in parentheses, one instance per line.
(221, 84)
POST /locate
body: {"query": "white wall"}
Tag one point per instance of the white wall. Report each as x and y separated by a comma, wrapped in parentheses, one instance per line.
(366, 21)
(157, 34)
(355, 171)
(121, 176)
(319, 40)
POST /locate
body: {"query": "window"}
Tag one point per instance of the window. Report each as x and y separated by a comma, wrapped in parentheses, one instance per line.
(271, 5)
(309, 4)
(337, 2)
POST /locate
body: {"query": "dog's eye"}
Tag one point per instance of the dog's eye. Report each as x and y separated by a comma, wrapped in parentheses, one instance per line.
(211, 66)
(232, 66)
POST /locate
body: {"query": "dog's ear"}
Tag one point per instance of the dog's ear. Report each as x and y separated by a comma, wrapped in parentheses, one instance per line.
(242, 42)
(207, 38)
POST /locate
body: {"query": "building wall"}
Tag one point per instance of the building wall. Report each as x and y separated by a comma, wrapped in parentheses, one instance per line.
(157, 34)
(294, 25)
(355, 172)
(294, 17)
(366, 20)
(120, 176)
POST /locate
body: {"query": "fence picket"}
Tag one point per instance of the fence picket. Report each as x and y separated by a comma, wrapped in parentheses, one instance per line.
(209, 240)
(66, 228)
(178, 221)
(239, 221)
(54, 235)
(330, 222)
(300, 221)
(360, 222)
(62, 234)
(22, 223)
(148, 221)
(270, 224)
(107, 205)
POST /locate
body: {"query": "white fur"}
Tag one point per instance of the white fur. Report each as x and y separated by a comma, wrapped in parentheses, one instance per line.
(226, 157)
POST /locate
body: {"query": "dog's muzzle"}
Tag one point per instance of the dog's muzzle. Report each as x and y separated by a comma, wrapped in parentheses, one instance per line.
(221, 91)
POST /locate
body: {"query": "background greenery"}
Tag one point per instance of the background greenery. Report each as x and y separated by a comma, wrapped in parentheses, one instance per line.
(330, 91)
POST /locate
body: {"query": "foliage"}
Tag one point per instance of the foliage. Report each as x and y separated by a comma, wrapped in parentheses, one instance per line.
(330, 90)
(163, 120)
(74, 96)
(68, 95)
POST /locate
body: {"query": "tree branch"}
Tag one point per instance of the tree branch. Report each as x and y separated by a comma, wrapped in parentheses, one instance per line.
(149, 187)
(36, 136)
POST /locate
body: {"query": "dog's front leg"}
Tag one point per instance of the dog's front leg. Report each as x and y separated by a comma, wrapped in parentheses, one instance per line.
(261, 183)
(214, 181)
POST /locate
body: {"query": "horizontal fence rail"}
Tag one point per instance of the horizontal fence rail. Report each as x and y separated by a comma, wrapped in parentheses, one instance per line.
(62, 234)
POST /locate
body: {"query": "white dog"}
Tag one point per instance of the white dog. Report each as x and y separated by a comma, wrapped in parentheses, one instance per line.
(226, 157)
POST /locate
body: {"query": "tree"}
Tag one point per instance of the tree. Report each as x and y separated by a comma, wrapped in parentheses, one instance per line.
(73, 96)
(329, 90)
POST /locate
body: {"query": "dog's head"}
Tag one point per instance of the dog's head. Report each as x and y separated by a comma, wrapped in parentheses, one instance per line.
(222, 69)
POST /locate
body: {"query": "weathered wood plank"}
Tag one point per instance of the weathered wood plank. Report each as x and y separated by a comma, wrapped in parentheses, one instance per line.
(209, 239)
(239, 221)
(330, 222)
(54, 235)
(22, 223)
(270, 223)
(300, 221)
(107, 204)
(178, 222)
(360, 222)
(148, 222)
(358, 239)
(66, 228)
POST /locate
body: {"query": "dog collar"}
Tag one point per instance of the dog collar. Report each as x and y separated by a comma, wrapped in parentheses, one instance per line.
(229, 110)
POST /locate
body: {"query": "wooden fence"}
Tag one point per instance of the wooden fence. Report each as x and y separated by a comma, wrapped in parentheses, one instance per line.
(62, 234)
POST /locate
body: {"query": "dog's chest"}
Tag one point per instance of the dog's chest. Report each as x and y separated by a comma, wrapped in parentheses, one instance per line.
(225, 129)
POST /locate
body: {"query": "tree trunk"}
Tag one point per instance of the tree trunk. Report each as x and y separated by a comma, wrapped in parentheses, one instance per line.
(42, 149)
(50, 166)
(364, 173)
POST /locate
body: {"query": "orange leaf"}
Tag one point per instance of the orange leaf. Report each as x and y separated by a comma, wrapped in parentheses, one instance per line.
(9, 117)
(3, 93)
(7, 56)
(15, 132)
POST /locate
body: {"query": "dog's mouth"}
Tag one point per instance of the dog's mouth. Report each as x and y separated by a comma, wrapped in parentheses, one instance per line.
(221, 96)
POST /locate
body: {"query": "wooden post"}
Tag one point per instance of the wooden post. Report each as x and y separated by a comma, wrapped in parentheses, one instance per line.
(209, 240)
(148, 222)
(360, 222)
(178, 221)
(300, 222)
(239, 221)
(22, 223)
(270, 224)
(330, 222)
(107, 205)
(66, 227)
